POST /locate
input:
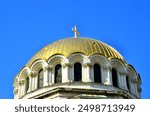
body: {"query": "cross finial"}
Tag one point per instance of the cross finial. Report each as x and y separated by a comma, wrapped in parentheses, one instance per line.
(76, 33)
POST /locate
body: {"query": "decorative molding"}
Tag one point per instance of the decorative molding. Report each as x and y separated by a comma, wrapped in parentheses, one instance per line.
(101, 60)
(55, 58)
(77, 57)
(37, 64)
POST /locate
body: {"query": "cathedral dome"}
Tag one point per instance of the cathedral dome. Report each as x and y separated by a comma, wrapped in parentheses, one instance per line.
(69, 46)
(77, 67)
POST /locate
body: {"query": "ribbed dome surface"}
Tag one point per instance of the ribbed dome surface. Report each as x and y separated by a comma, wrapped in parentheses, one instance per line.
(69, 46)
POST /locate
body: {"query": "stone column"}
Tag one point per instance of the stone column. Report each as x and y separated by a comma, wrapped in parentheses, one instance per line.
(65, 73)
(35, 77)
(108, 78)
(16, 93)
(21, 88)
(50, 75)
(46, 76)
(33, 80)
(122, 81)
(30, 81)
(71, 73)
(134, 85)
(24, 87)
(139, 89)
(86, 77)
(103, 74)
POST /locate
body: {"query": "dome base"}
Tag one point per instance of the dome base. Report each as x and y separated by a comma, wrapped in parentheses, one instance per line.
(79, 90)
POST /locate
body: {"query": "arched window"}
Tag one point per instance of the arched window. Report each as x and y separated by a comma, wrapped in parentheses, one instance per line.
(114, 77)
(58, 73)
(128, 83)
(77, 72)
(40, 78)
(97, 73)
(27, 84)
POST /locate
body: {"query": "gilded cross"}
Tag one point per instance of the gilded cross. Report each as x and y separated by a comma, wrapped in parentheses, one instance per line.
(76, 33)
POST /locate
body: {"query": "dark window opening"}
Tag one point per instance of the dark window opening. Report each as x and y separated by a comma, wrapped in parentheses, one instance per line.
(97, 73)
(77, 72)
(58, 73)
(27, 84)
(114, 77)
(40, 78)
(128, 84)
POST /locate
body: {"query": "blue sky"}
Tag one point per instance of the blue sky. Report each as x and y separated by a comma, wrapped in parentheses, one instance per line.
(28, 25)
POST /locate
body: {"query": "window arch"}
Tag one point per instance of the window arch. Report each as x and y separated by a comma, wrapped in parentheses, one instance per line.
(128, 83)
(58, 73)
(40, 78)
(97, 73)
(114, 77)
(77, 72)
(27, 84)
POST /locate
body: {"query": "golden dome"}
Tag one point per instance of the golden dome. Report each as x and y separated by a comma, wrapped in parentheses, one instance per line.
(69, 46)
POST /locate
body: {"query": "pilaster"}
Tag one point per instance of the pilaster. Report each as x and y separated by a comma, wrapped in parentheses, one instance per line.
(46, 76)
(122, 81)
(21, 87)
(86, 72)
(33, 81)
(50, 71)
(108, 78)
(65, 73)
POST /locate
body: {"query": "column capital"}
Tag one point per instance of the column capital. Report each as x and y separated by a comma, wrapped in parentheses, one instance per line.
(87, 64)
(66, 65)
(108, 66)
(33, 74)
(21, 81)
(47, 67)
(123, 72)
(135, 80)
(16, 91)
(108, 77)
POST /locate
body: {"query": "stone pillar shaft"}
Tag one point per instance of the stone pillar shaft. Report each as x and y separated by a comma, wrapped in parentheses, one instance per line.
(122, 81)
(65, 73)
(108, 79)
(86, 73)
(46, 76)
